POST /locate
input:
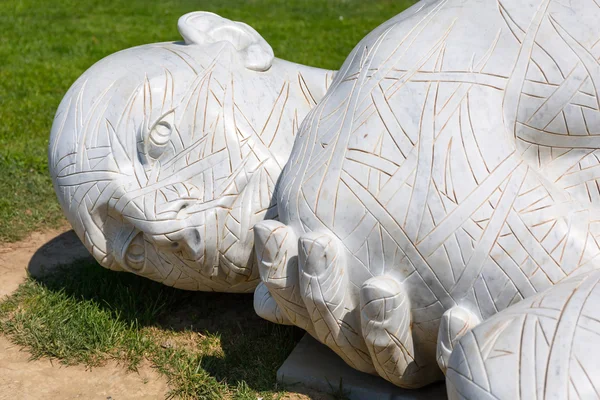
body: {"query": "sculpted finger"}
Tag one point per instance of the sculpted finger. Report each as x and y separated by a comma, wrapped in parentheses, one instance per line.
(277, 254)
(266, 307)
(456, 322)
(324, 288)
(386, 326)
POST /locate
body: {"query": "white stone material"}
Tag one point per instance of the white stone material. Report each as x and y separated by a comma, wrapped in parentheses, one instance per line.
(164, 156)
(451, 173)
(312, 365)
(545, 347)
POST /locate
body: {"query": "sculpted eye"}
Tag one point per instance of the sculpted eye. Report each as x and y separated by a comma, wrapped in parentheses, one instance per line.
(136, 253)
(160, 135)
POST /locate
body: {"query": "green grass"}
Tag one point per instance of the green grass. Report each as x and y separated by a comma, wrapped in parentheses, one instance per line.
(205, 343)
(45, 45)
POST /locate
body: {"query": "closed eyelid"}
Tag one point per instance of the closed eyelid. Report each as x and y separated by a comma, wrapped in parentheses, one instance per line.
(158, 136)
(162, 117)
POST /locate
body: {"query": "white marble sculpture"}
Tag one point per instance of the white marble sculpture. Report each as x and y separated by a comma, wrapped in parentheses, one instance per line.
(545, 347)
(450, 173)
(164, 156)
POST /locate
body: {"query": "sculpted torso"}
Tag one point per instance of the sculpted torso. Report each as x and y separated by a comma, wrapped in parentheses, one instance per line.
(449, 173)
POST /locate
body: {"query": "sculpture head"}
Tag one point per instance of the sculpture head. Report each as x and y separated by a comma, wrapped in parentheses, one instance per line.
(163, 156)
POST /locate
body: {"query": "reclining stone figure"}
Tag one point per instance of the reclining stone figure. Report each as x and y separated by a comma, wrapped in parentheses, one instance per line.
(439, 212)
(451, 173)
(164, 156)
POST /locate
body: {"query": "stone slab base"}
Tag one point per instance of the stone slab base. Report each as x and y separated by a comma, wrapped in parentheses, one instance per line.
(313, 365)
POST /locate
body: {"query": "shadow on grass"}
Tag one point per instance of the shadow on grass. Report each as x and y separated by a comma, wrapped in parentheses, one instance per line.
(252, 348)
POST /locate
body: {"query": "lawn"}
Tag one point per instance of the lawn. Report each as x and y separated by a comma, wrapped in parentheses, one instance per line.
(204, 343)
(46, 45)
(84, 314)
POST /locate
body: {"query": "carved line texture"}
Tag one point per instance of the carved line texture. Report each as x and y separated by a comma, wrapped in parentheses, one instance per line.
(453, 165)
(165, 156)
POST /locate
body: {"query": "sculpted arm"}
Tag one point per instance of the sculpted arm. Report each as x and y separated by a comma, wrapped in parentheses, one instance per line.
(545, 347)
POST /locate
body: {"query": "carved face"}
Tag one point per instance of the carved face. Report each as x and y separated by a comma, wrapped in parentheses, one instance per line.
(164, 156)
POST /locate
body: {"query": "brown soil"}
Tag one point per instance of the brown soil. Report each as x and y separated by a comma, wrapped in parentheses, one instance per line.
(307, 394)
(39, 252)
(22, 378)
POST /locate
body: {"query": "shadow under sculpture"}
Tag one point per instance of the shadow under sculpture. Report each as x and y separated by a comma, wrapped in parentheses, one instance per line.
(164, 156)
(447, 181)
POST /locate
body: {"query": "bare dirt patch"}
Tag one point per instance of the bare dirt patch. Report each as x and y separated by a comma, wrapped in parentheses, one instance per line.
(39, 252)
(186, 329)
(307, 394)
(23, 378)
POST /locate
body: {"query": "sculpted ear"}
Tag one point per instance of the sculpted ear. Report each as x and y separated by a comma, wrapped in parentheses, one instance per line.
(201, 28)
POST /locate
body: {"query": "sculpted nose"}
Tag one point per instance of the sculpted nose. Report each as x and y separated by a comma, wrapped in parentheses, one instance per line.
(187, 240)
(191, 241)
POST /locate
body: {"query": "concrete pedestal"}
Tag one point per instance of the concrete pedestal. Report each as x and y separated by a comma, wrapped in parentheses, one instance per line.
(313, 365)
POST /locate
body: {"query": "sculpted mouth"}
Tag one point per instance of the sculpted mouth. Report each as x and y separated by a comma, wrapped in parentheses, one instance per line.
(130, 248)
